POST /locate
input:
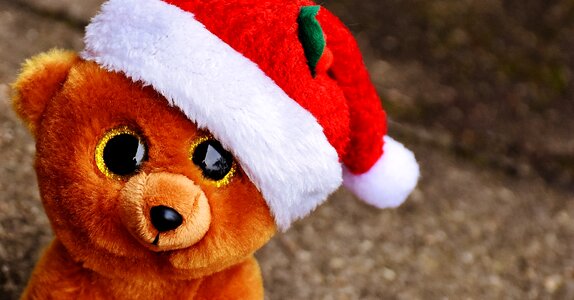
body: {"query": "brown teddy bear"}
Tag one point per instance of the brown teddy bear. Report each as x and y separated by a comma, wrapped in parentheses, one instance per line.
(188, 132)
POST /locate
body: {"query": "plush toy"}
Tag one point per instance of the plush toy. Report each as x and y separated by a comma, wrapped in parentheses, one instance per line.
(187, 133)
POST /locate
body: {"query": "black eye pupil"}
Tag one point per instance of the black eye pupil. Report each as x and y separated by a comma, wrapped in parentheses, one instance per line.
(123, 154)
(214, 161)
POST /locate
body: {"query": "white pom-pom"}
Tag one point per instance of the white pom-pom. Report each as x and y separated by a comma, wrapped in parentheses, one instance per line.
(390, 181)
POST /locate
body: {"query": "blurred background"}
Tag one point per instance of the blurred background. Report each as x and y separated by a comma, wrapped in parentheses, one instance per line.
(481, 90)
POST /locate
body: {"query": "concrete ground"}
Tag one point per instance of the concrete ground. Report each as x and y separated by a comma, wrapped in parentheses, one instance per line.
(481, 91)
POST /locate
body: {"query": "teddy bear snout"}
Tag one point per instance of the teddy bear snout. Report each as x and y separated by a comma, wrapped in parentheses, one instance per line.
(164, 211)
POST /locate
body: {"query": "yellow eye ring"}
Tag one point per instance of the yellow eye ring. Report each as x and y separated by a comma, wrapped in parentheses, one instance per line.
(226, 167)
(120, 152)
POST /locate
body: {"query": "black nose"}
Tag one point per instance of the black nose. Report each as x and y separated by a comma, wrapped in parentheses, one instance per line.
(165, 218)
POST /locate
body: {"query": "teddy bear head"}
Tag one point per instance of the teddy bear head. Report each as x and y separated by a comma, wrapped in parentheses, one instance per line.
(129, 183)
(161, 147)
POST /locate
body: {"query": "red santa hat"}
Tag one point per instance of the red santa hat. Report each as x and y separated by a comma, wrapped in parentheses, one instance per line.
(282, 86)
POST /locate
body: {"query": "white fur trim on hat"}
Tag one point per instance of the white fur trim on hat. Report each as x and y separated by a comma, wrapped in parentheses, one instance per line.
(279, 144)
(390, 181)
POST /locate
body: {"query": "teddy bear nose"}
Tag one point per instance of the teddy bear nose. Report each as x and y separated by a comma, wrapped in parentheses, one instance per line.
(165, 218)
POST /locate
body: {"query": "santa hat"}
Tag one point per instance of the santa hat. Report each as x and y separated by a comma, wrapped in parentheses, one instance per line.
(280, 84)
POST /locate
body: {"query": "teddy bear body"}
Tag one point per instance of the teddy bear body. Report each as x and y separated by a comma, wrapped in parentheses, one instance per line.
(60, 277)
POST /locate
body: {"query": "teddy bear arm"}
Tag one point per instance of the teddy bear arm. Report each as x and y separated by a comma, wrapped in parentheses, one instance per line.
(56, 276)
(242, 281)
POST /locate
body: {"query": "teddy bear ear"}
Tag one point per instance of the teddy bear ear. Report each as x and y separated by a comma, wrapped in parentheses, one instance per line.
(40, 80)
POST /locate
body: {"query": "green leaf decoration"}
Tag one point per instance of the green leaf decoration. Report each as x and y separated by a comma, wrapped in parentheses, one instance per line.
(311, 36)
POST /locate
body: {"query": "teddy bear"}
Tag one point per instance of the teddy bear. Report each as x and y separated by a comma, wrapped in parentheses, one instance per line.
(187, 133)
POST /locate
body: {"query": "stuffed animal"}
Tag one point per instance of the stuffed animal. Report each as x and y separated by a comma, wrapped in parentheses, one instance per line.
(187, 133)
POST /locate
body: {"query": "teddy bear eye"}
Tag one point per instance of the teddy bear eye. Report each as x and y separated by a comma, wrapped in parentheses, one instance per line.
(120, 153)
(215, 162)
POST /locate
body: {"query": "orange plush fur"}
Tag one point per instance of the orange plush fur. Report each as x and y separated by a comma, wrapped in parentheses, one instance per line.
(103, 247)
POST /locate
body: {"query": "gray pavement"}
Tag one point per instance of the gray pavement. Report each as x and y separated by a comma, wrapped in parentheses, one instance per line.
(470, 231)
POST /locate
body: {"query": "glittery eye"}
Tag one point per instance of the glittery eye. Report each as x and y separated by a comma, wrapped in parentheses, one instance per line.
(215, 162)
(120, 153)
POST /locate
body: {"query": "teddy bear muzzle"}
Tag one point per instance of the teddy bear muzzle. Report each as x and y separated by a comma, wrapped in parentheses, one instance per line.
(164, 211)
